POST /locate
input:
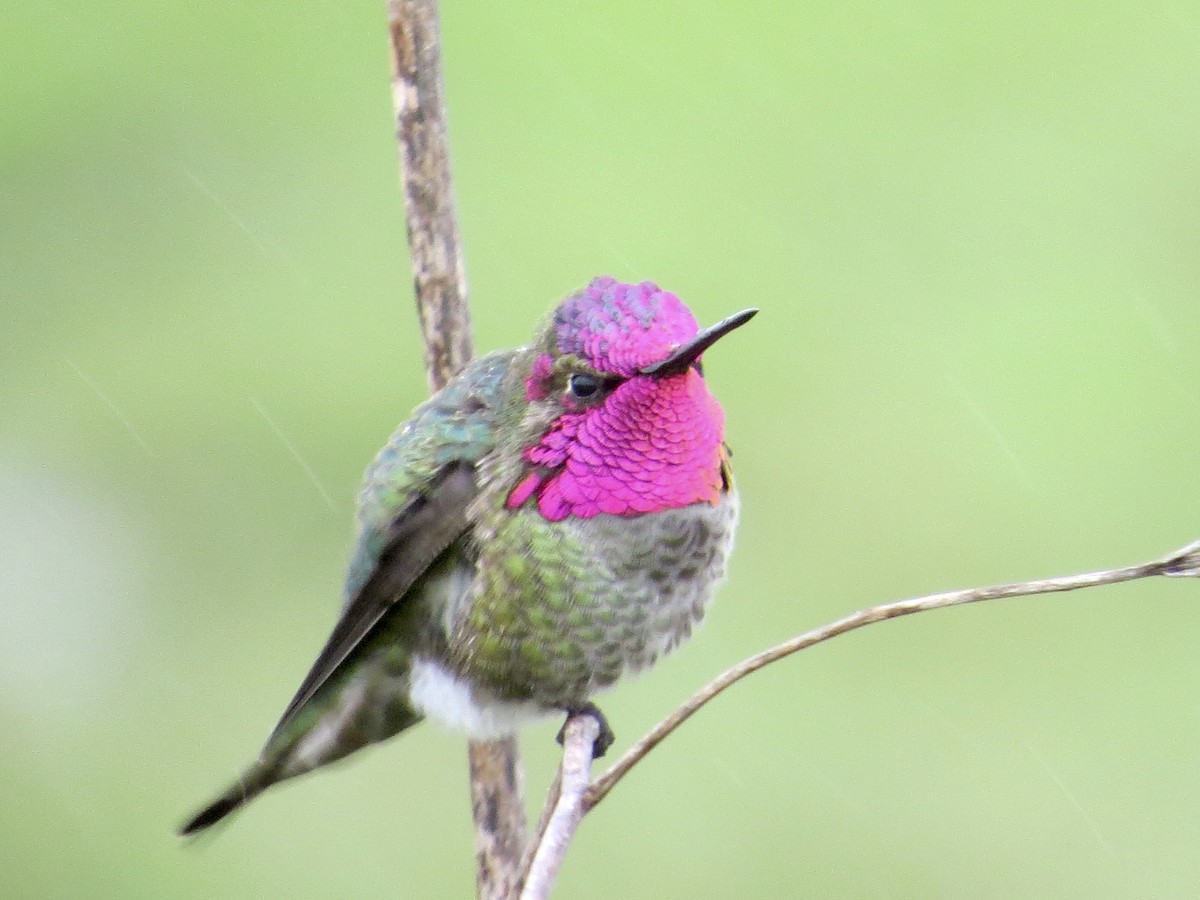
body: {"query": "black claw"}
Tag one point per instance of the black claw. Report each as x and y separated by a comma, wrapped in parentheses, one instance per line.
(604, 739)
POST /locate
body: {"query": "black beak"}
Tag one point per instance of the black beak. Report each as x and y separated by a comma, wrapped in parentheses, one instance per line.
(684, 356)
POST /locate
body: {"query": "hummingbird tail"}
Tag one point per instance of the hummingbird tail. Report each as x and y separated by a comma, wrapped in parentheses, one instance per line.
(241, 792)
(373, 708)
(357, 719)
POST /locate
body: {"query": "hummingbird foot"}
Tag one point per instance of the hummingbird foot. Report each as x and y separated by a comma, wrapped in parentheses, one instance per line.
(604, 739)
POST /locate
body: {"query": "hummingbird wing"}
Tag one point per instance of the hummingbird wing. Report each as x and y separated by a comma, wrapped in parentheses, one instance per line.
(411, 509)
(418, 535)
(433, 516)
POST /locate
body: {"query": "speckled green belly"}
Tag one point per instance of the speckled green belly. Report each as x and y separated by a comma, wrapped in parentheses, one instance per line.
(560, 610)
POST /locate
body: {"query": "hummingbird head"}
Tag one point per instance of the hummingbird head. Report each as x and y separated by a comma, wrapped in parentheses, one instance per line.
(618, 411)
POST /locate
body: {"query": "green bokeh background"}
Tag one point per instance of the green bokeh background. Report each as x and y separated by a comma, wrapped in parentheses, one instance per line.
(974, 236)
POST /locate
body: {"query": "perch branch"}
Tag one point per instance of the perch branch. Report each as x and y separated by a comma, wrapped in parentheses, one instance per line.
(441, 294)
(440, 287)
(1182, 563)
(439, 278)
(572, 797)
(565, 810)
(548, 807)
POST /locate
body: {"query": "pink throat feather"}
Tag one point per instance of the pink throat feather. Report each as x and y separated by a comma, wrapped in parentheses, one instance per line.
(653, 444)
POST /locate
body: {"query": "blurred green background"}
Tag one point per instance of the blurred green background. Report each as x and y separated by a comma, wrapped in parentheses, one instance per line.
(974, 236)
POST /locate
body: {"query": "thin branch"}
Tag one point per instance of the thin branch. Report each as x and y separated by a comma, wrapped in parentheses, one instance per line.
(1182, 563)
(571, 797)
(498, 809)
(539, 832)
(439, 278)
(440, 286)
(579, 737)
(441, 294)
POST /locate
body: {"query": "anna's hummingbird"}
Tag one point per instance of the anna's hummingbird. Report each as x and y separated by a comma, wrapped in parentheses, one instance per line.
(555, 516)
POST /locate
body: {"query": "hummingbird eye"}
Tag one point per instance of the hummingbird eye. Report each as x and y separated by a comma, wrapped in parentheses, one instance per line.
(584, 386)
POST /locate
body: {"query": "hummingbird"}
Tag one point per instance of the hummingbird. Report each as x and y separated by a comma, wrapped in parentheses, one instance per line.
(555, 517)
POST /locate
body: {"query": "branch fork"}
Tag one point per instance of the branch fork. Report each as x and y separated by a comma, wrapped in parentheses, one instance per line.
(506, 864)
(572, 796)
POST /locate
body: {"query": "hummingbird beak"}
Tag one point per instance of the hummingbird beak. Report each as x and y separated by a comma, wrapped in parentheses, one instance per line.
(684, 356)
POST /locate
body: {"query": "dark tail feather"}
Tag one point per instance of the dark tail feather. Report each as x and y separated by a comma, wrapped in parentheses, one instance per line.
(349, 725)
(239, 794)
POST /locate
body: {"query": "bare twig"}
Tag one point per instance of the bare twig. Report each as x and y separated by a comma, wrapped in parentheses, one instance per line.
(439, 277)
(1184, 562)
(497, 787)
(440, 284)
(579, 737)
(539, 832)
(498, 808)
(563, 804)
